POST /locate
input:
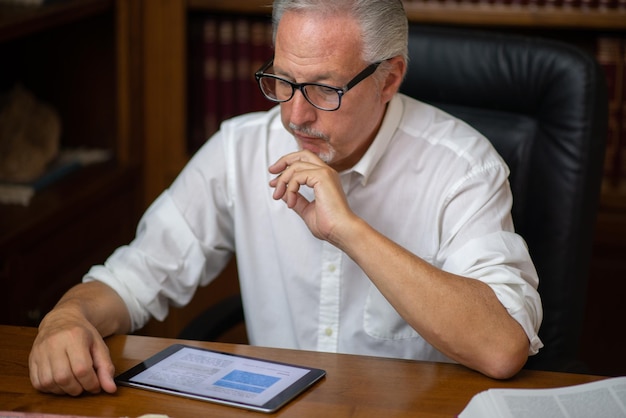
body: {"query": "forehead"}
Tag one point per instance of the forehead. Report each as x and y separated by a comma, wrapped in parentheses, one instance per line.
(310, 41)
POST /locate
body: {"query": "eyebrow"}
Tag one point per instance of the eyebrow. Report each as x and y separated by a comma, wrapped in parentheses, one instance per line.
(319, 79)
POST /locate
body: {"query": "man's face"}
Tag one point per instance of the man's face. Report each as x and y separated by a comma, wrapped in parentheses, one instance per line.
(322, 49)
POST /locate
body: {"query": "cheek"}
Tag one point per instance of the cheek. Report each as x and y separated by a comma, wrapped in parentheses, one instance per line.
(353, 128)
(284, 115)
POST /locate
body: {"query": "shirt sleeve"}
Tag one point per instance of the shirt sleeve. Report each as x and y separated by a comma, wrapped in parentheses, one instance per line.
(178, 245)
(502, 261)
(480, 243)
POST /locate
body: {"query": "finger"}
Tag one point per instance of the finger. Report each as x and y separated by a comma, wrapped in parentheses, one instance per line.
(104, 368)
(295, 157)
(298, 203)
(278, 167)
(33, 371)
(282, 177)
(41, 374)
(70, 369)
(83, 371)
(62, 379)
(280, 188)
(302, 156)
(93, 367)
(290, 164)
(282, 164)
(291, 193)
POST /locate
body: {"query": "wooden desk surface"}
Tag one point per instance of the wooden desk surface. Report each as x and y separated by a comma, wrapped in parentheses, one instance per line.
(355, 386)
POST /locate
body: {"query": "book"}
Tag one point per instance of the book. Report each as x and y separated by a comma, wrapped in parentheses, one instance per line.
(261, 50)
(68, 161)
(202, 81)
(604, 398)
(609, 54)
(621, 146)
(244, 78)
(26, 4)
(22, 3)
(227, 91)
(224, 52)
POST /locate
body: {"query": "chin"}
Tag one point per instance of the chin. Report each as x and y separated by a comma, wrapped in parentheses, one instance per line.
(326, 156)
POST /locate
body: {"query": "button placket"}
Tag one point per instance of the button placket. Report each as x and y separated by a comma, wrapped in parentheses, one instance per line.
(330, 293)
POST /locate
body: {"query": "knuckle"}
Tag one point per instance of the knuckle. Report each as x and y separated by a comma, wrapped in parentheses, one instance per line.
(63, 379)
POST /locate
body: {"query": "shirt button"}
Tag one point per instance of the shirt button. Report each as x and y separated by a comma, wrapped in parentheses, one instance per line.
(332, 268)
(328, 332)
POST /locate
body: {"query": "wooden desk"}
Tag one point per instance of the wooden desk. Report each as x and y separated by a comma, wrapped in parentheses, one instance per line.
(355, 386)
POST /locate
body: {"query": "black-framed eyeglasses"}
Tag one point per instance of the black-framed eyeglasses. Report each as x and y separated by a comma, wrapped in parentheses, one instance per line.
(322, 96)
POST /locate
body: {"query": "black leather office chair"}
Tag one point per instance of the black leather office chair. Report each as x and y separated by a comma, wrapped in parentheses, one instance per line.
(543, 105)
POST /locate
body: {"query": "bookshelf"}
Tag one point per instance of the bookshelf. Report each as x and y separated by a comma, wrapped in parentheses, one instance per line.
(76, 56)
(502, 15)
(465, 13)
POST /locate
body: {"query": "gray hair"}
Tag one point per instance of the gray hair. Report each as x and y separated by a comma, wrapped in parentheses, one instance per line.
(383, 23)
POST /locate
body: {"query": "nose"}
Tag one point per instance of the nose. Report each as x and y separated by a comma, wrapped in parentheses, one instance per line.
(301, 111)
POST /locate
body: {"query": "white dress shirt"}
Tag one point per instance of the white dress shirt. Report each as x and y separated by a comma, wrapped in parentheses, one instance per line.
(429, 182)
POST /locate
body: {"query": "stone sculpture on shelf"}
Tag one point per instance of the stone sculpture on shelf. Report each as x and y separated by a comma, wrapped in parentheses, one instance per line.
(30, 132)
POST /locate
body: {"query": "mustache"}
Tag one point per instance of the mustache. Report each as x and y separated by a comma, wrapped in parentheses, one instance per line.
(308, 131)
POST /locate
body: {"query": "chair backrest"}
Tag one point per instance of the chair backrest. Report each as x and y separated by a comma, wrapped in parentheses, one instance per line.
(543, 105)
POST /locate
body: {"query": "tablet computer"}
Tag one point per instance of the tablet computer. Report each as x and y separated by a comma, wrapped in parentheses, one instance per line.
(223, 378)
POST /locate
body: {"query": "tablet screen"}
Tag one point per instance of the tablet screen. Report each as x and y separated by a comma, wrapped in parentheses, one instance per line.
(224, 378)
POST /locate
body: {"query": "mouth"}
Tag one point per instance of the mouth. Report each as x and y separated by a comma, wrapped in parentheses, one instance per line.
(308, 139)
(316, 142)
(310, 143)
(306, 133)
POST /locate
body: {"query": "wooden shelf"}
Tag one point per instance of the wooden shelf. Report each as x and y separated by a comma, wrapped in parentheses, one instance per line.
(81, 58)
(514, 16)
(465, 14)
(59, 203)
(228, 6)
(47, 247)
(21, 21)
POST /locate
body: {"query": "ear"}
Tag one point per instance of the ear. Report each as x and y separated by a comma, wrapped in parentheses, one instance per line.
(393, 80)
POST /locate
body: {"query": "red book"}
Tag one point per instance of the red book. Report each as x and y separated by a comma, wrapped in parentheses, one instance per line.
(609, 53)
(243, 78)
(621, 146)
(199, 88)
(227, 97)
(210, 85)
(260, 52)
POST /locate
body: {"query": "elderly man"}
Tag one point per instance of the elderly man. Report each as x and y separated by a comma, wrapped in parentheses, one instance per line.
(364, 221)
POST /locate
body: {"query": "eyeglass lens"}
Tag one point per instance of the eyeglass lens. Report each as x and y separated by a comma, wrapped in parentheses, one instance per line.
(280, 90)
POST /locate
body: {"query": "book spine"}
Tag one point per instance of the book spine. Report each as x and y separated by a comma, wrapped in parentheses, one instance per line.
(609, 55)
(210, 80)
(195, 105)
(535, 5)
(224, 53)
(226, 69)
(621, 146)
(244, 83)
(261, 52)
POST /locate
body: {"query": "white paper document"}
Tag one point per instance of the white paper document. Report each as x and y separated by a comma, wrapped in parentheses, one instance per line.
(605, 398)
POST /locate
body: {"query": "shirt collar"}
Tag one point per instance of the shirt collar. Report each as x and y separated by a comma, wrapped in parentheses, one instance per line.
(377, 149)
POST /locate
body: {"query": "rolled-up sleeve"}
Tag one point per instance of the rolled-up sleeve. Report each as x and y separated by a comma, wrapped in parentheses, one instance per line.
(162, 266)
(501, 260)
